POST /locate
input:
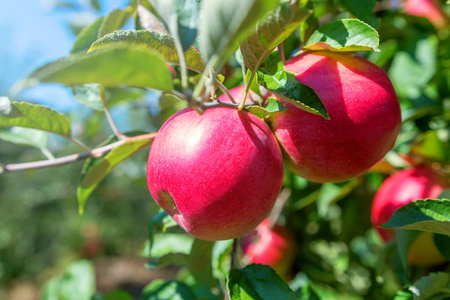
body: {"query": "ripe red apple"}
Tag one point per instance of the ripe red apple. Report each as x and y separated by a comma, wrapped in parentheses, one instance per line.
(430, 9)
(364, 117)
(274, 246)
(402, 188)
(217, 174)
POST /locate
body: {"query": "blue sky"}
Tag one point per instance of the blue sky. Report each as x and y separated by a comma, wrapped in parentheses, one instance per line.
(32, 33)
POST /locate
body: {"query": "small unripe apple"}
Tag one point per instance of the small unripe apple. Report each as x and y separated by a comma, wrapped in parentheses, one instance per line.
(364, 117)
(400, 189)
(217, 174)
(430, 9)
(270, 245)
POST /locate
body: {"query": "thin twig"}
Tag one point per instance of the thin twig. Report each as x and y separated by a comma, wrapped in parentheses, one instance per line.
(73, 157)
(108, 114)
(278, 207)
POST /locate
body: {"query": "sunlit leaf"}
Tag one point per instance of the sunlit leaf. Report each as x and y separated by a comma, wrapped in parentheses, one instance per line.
(270, 32)
(344, 35)
(181, 18)
(133, 66)
(159, 289)
(24, 114)
(424, 215)
(276, 79)
(224, 24)
(162, 43)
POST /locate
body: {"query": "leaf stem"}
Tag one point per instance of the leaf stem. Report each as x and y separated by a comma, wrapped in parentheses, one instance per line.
(108, 114)
(182, 60)
(233, 263)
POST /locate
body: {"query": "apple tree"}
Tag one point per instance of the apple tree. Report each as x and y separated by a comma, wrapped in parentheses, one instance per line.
(300, 151)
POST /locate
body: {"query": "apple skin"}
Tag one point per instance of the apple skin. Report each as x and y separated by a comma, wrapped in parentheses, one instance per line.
(274, 246)
(430, 9)
(400, 189)
(217, 174)
(364, 112)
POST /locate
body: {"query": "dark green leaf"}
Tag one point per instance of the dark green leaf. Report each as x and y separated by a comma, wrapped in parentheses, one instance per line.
(276, 79)
(257, 282)
(174, 290)
(34, 116)
(435, 286)
(181, 18)
(404, 240)
(134, 66)
(425, 215)
(78, 279)
(442, 243)
(162, 43)
(170, 259)
(95, 170)
(344, 35)
(224, 24)
(362, 10)
(270, 32)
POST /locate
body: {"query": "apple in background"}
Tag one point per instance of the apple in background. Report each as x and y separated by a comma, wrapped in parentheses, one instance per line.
(402, 188)
(430, 9)
(364, 117)
(217, 174)
(274, 246)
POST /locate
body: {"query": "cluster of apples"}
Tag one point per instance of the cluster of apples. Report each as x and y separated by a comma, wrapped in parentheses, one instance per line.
(218, 174)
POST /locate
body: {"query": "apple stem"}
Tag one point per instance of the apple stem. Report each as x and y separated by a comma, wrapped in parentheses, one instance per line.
(233, 264)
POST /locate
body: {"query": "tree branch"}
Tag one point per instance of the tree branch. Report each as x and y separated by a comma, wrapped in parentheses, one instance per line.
(71, 158)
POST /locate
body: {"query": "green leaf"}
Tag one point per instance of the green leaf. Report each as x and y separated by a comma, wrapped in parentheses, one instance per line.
(199, 264)
(442, 243)
(115, 20)
(435, 286)
(159, 223)
(344, 35)
(414, 67)
(272, 106)
(276, 79)
(34, 116)
(103, 25)
(167, 249)
(114, 295)
(162, 43)
(430, 146)
(404, 239)
(181, 18)
(96, 169)
(257, 282)
(110, 67)
(424, 215)
(224, 24)
(362, 10)
(78, 279)
(87, 36)
(25, 136)
(159, 289)
(270, 32)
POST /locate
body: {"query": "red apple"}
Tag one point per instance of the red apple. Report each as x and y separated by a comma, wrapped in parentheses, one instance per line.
(364, 117)
(274, 246)
(217, 174)
(400, 189)
(430, 9)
